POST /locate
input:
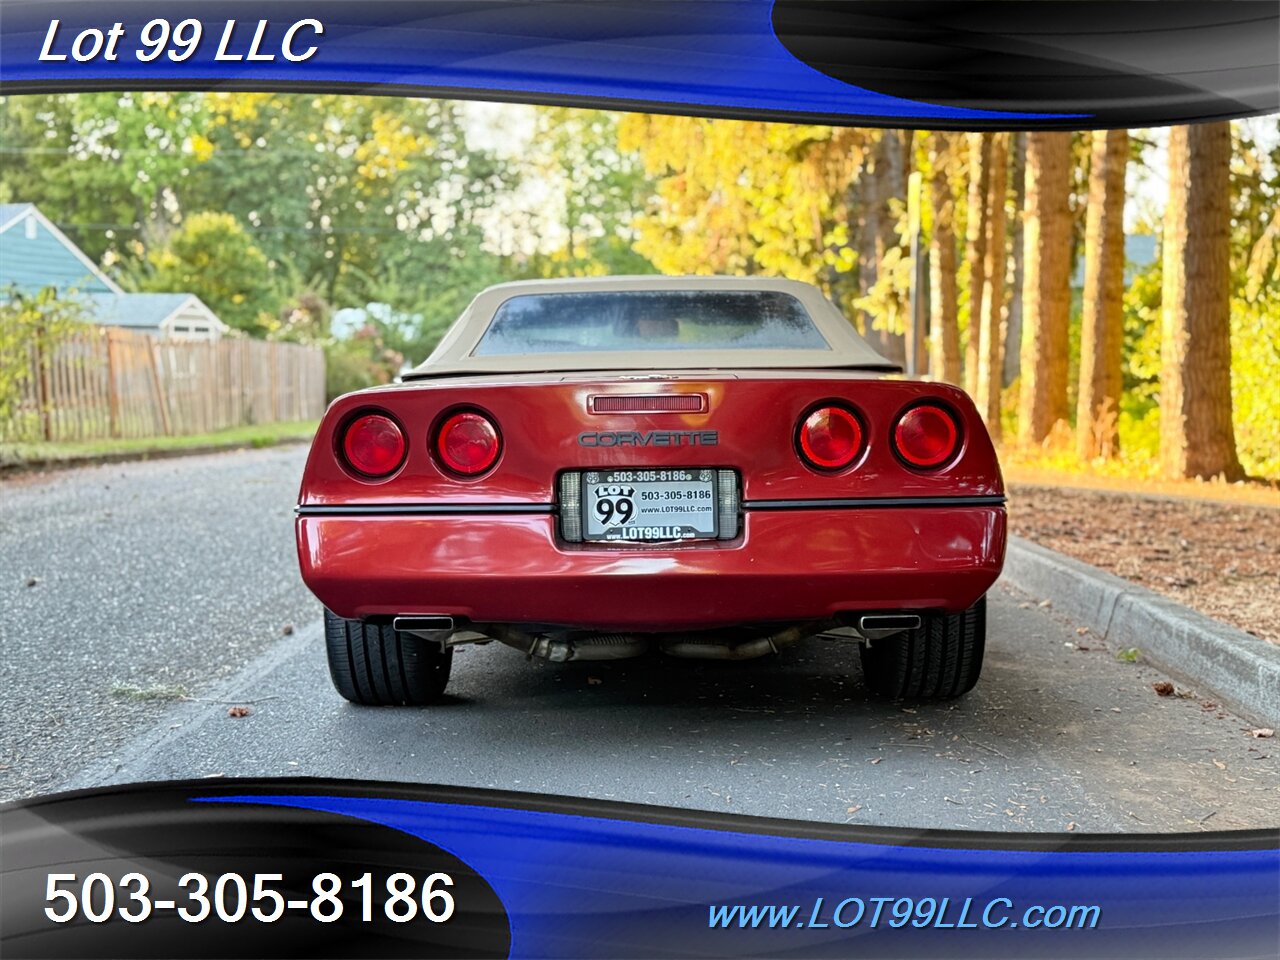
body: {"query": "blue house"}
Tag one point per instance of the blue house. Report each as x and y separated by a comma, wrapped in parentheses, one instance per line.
(35, 254)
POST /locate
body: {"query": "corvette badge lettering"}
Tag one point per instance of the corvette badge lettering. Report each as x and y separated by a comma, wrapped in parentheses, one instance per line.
(651, 438)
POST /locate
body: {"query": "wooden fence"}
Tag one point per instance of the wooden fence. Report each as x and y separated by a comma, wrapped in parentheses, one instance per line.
(111, 382)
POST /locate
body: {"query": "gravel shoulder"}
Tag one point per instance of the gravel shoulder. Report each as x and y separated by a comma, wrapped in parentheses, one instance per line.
(1221, 559)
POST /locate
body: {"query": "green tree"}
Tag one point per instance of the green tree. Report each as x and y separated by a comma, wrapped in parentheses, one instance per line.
(599, 190)
(344, 189)
(108, 168)
(333, 190)
(212, 256)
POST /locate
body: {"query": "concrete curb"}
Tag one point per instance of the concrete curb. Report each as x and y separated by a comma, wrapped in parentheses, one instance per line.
(1240, 670)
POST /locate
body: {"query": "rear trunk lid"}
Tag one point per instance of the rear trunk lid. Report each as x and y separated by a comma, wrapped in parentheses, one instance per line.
(742, 420)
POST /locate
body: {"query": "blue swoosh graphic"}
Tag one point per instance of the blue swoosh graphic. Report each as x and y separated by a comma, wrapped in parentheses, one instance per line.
(713, 54)
(580, 885)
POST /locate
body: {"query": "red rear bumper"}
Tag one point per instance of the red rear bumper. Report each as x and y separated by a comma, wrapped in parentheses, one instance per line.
(787, 565)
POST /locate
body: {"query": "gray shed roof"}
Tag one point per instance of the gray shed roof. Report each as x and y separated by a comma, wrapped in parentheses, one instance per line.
(143, 311)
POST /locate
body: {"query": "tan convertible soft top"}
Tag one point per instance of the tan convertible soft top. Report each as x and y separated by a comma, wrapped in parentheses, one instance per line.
(455, 354)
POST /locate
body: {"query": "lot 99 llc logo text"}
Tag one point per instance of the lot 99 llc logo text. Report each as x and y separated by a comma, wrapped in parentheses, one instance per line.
(178, 42)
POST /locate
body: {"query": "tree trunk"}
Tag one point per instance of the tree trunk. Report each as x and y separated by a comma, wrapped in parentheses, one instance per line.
(975, 236)
(944, 329)
(1013, 326)
(993, 283)
(1102, 326)
(880, 181)
(892, 167)
(867, 234)
(1196, 434)
(857, 196)
(1046, 287)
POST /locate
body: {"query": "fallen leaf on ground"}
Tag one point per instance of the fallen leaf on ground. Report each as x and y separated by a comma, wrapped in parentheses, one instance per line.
(1081, 631)
(1163, 688)
(1262, 733)
(594, 681)
(854, 809)
(1071, 825)
(239, 711)
(1219, 764)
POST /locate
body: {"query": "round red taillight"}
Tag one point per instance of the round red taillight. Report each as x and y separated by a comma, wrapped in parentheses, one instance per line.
(926, 436)
(830, 438)
(374, 445)
(468, 443)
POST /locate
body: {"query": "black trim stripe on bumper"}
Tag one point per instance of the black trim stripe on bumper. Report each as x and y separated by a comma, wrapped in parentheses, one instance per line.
(465, 509)
(422, 509)
(863, 503)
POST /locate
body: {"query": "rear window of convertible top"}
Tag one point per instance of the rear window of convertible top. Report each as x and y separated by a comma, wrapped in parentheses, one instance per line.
(649, 320)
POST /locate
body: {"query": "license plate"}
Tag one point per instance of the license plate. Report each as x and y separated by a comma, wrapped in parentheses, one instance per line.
(648, 505)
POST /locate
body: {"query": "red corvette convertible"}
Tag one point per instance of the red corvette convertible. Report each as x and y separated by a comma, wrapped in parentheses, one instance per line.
(712, 467)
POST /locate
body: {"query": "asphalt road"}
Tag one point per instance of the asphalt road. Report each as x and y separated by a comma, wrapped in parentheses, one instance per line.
(150, 580)
(181, 573)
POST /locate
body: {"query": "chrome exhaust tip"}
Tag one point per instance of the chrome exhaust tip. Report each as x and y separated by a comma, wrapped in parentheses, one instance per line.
(877, 626)
(889, 621)
(430, 623)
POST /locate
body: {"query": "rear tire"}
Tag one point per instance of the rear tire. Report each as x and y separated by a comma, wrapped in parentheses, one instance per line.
(374, 665)
(939, 660)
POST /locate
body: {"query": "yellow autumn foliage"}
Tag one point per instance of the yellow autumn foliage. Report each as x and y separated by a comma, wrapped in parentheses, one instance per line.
(742, 197)
(389, 149)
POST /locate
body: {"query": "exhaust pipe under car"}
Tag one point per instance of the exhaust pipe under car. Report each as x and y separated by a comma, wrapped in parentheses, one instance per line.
(561, 647)
(424, 624)
(719, 645)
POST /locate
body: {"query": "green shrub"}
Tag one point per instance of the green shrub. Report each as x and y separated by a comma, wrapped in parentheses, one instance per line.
(360, 362)
(25, 319)
(1255, 384)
